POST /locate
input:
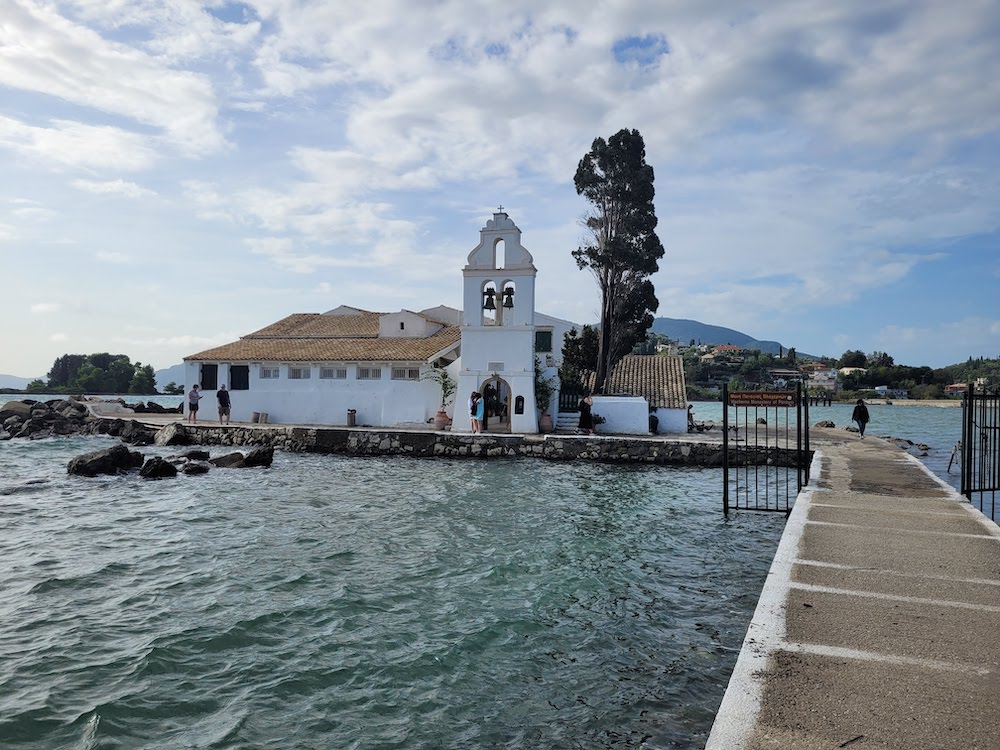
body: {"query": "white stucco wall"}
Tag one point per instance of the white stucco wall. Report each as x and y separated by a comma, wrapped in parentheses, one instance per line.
(384, 402)
(624, 415)
(672, 421)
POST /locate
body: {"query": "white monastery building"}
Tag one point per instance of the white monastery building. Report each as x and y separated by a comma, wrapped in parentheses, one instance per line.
(350, 366)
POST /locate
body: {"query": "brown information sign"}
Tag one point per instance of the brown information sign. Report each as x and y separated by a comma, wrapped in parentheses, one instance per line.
(774, 399)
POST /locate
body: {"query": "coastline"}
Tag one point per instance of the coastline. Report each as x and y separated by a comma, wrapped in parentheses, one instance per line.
(939, 402)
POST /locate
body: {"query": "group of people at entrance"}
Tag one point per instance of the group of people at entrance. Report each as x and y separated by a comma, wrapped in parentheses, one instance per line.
(477, 410)
(489, 403)
(222, 396)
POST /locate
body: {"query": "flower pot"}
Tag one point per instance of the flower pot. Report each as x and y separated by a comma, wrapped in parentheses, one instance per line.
(441, 420)
(545, 423)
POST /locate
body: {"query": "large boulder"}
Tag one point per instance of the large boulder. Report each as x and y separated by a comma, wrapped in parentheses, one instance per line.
(171, 434)
(20, 409)
(256, 457)
(196, 467)
(137, 434)
(259, 457)
(114, 460)
(157, 468)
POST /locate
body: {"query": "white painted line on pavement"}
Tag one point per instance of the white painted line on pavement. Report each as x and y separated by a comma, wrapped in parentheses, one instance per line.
(893, 597)
(912, 661)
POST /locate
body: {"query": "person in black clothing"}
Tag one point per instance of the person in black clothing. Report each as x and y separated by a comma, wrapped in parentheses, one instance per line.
(860, 415)
(224, 404)
(586, 416)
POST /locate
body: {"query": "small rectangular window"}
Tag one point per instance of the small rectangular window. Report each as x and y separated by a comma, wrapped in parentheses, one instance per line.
(299, 373)
(543, 342)
(239, 378)
(270, 373)
(406, 373)
(369, 373)
(333, 373)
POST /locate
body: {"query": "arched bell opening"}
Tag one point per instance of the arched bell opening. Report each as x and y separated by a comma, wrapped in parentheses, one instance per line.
(505, 302)
(492, 303)
(499, 253)
(497, 404)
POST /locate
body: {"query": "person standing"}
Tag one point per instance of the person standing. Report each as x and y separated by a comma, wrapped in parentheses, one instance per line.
(473, 403)
(586, 415)
(480, 411)
(194, 396)
(224, 404)
(860, 415)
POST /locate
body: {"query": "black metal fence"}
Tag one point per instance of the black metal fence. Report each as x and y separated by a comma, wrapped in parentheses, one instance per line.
(981, 449)
(766, 451)
(569, 397)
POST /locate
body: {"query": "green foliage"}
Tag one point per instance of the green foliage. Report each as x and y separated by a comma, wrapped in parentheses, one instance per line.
(37, 386)
(100, 373)
(545, 388)
(172, 389)
(624, 250)
(444, 379)
(855, 358)
(579, 354)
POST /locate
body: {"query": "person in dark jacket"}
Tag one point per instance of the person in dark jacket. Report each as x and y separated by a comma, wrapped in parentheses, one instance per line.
(860, 415)
(586, 424)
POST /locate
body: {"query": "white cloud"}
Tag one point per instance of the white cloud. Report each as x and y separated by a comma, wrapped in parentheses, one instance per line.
(44, 308)
(58, 337)
(112, 257)
(113, 187)
(44, 52)
(74, 144)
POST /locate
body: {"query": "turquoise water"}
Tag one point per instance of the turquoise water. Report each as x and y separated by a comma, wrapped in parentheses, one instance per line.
(331, 602)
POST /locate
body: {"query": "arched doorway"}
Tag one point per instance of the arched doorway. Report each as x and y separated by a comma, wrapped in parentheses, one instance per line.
(496, 395)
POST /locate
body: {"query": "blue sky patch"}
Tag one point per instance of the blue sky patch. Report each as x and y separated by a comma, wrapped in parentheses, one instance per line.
(644, 50)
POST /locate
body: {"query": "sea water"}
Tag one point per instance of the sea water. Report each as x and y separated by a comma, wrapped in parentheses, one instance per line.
(334, 602)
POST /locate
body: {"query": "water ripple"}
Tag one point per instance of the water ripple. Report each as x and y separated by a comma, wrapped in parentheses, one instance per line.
(369, 603)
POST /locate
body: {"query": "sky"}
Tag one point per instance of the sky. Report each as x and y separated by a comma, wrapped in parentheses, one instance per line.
(177, 174)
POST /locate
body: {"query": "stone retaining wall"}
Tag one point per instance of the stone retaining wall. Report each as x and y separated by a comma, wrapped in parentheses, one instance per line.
(610, 449)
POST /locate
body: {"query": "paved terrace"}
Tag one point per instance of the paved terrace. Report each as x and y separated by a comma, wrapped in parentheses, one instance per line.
(879, 622)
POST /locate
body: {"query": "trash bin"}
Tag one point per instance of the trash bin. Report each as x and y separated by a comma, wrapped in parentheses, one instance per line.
(263, 417)
(352, 418)
(255, 416)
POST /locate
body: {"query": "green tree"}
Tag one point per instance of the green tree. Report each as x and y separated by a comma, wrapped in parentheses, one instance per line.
(579, 354)
(853, 358)
(64, 370)
(172, 389)
(121, 372)
(880, 359)
(36, 386)
(624, 249)
(143, 380)
(89, 379)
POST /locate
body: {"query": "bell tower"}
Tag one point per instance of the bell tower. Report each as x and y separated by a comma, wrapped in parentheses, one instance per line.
(498, 325)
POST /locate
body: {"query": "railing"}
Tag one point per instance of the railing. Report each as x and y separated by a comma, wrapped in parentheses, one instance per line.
(980, 451)
(569, 397)
(763, 465)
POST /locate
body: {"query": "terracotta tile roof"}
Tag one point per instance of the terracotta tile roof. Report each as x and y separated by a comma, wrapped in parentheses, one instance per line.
(658, 378)
(314, 337)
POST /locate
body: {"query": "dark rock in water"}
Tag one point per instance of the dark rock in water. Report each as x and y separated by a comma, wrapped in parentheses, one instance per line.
(195, 454)
(196, 467)
(32, 485)
(761, 420)
(825, 423)
(157, 468)
(172, 434)
(256, 457)
(228, 461)
(136, 434)
(259, 457)
(115, 460)
(21, 409)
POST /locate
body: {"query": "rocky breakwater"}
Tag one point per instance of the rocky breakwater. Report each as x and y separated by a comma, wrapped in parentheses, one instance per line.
(35, 420)
(118, 459)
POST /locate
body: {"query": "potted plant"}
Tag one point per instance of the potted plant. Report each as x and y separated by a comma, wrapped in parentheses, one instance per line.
(544, 388)
(448, 387)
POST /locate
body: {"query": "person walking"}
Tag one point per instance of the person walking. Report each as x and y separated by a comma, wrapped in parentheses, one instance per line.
(480, 411)
(860, 415)
(473, 406)
(194, 396)
(224, 404)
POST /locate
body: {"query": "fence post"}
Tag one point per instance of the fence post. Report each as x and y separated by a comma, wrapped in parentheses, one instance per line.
(725, 450)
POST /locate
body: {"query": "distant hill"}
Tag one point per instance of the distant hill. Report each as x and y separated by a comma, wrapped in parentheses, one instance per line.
(12, 381)
(173, 374)
(684, 330)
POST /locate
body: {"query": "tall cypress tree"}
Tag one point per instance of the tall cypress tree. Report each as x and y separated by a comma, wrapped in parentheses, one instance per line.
(624, 249)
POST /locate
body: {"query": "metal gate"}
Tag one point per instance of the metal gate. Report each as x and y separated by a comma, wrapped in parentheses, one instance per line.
(765, 461)
(981, 448)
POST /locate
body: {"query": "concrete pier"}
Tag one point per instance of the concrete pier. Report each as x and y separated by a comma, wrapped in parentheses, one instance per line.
(879, 622)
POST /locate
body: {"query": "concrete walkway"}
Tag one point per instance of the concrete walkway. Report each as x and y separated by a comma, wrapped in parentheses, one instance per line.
(879, 622)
